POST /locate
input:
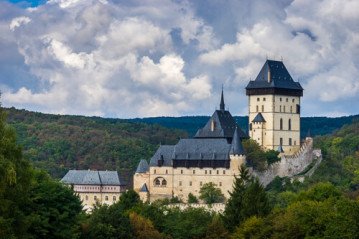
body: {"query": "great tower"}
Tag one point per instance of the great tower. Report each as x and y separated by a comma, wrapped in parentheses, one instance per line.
(274, 108)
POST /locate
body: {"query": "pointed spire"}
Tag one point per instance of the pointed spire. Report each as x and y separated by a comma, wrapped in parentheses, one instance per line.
(221, 106)
(237, 147)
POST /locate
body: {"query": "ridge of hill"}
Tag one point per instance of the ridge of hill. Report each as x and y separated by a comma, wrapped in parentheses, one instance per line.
(57, 143)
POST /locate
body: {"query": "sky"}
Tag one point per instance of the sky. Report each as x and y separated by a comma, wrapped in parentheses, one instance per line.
(136, 58)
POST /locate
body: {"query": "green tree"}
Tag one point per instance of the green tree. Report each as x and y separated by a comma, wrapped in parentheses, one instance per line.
(143, 228)
(248, 198)
(216, 229)
(209, 193)
(192, 198)
(129, 199)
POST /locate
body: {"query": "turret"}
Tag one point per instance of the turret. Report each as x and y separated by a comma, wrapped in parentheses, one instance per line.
(237, 153)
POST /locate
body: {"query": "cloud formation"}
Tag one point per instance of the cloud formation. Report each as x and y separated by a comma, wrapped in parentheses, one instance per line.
(136, 59)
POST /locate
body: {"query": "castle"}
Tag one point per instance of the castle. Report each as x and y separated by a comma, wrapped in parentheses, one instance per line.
(215, 153)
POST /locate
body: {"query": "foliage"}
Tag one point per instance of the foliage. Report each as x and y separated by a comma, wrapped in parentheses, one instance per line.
(143, 228)
(192, 198)
(247, 199)
(209, 193)
(175, 200)
(216, 229)
(257, 157)
(129, 199)
(57, 143)
(250, 229)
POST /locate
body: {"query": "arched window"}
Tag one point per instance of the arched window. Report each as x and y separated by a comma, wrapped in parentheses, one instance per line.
(157, 182)
(289, 124)
(164, 182)
(281, 124)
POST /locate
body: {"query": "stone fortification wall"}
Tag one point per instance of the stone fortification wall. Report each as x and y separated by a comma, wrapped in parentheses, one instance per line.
(215, 207)
(288, 166)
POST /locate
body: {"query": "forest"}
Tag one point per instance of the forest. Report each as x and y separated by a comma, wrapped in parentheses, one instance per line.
(34, 205)
(57, 143)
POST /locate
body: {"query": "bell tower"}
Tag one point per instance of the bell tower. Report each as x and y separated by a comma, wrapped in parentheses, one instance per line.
(274, 108)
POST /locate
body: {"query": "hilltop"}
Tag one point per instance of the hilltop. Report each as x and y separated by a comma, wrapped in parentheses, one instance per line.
(57, 143)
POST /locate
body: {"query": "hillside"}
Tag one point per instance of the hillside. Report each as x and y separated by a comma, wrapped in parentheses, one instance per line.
(57, 143)
(316, 125)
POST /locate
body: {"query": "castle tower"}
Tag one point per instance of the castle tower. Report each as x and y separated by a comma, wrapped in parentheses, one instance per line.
(236, 153)
(274, 108)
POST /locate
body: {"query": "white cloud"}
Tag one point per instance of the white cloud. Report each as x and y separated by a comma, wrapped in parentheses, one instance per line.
(18, 21)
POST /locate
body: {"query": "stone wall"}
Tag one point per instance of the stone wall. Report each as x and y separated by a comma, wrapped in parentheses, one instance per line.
(288, 166)
(215, 207)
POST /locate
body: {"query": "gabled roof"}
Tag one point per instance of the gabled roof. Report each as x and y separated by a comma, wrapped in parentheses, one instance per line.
(144, 188)
(274, 75)
(259, 118)
(164, 151)
(142, 166)
(237, 147)
(89, 177)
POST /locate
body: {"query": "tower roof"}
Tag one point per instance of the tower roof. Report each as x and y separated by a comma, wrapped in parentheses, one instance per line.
(142, 166)
(237, 147)
(274, 78)
(222, 105)
(259, 118)
(144, 188)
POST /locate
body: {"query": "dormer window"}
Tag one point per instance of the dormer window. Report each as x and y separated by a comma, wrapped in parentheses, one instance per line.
(213, 125)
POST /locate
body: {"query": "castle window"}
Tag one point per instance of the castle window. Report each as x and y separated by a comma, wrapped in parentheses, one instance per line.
(257, 108)
(280, 99)
(258, 99)
(224, 171)
(205, 171)
(262, 108)
(180, 183)
(194, 171)
(281, 141)
(280, 108)
(181, 171)
(281, 124)
(220, 184)
(290, 141)
(114, 198)
(264, 99)
(210, 171)
(286, 100)
(164, 183)
(106, 198)
(157, 182)
(166, 171)
(95, 198)
(154, 171)
(289, 124)
(293, 100)
(190, 183)
(298, 109)
(291, 109)
(217, 171)
(284, 108)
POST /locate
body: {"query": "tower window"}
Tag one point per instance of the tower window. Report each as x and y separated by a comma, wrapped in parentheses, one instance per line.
(286, 100)
(290, 141)
(224, 171)
(291, 109)
(262, 108)
(280, 108)
(280, 99)
(264, 99)
(280, 141)
(298, 109)
(293, 100)
(217, 171)
(194, 171)
(181, 171)
(154, 171)
(166, 171)
(190, 183)
(180, 183)
(283, 108)
(205, 171)
(281, 124)
(289, 124)
(257, 108)
(258, 99)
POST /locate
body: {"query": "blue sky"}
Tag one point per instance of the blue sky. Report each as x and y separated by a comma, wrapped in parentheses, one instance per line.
(121, 58)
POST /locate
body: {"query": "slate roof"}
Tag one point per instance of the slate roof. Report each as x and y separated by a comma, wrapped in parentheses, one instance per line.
(166, 152)
(279, 77)
(144, 188)
(259, 118)
(89, 177)
(225, 126)
(237, 147)
(142, 166)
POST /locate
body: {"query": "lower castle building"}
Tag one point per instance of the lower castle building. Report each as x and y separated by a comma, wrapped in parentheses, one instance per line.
(213, 155)
(103, 187)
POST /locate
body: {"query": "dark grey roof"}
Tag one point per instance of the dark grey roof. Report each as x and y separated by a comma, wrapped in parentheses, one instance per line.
(224, 126)
(91, 177)
(222, 105)
(279, 77)
(142, 166)
(166, 152)
(202, 149)
(259, 118)
(144, 188)
(237, 147)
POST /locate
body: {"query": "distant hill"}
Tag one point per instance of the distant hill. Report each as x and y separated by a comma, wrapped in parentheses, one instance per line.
(314, 125)
(57, 143)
